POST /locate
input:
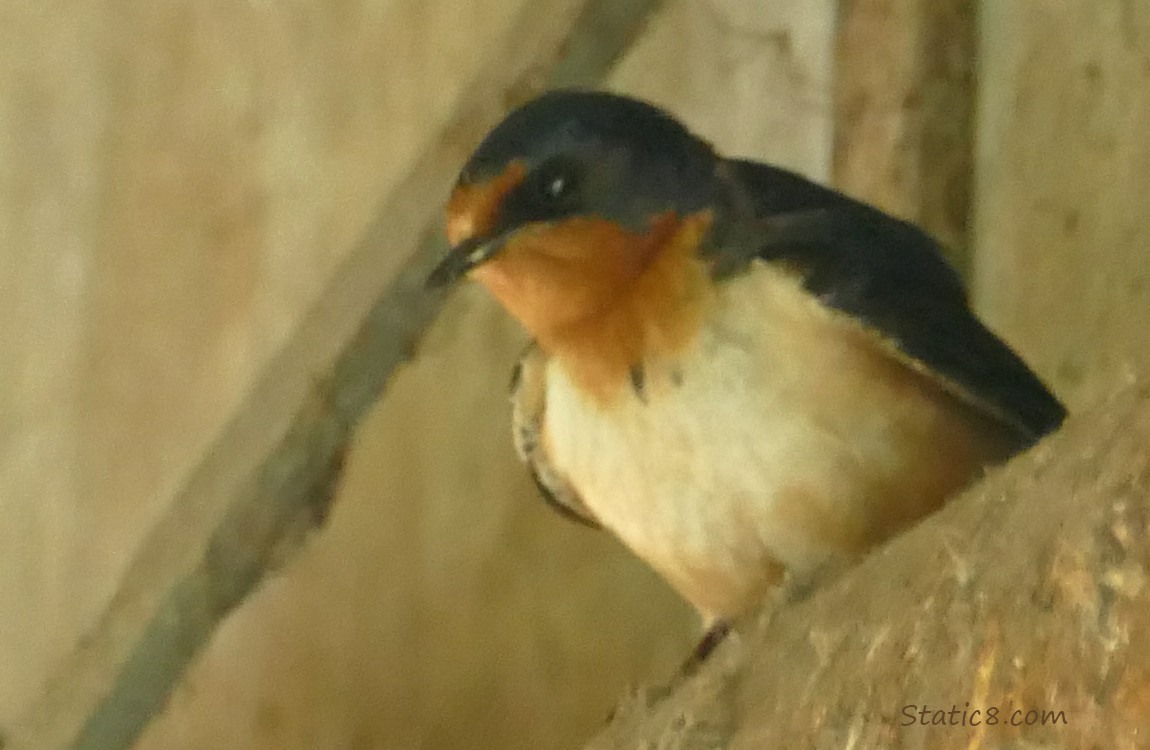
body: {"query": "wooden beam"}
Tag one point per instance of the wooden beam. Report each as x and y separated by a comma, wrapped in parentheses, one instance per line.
(1027, 599)
(267, 480)
(905, 77)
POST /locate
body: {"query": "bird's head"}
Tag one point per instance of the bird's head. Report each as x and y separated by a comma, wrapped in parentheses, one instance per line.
(568, 200)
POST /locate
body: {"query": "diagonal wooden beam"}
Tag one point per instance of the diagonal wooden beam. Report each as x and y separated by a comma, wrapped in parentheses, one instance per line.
(268, 478)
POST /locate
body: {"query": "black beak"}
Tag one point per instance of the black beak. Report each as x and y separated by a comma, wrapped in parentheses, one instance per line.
(464, 257)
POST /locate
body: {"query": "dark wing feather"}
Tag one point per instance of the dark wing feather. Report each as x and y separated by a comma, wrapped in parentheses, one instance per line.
(892, 277)
(528, 402)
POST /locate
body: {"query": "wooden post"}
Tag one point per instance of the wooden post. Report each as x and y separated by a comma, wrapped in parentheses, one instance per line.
(904, 93)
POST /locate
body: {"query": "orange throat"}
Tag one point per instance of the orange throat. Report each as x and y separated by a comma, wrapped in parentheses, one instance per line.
(602, 300)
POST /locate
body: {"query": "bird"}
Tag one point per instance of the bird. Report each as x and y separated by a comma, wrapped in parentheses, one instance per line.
(745, 376)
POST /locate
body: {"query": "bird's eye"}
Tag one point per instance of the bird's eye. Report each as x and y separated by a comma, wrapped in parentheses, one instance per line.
(557, 186)
(556, 182)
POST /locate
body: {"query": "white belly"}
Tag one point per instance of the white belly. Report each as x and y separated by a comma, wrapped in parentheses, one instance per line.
(778, 438)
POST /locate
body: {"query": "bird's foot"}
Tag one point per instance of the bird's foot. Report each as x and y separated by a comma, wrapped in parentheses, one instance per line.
(715, 635)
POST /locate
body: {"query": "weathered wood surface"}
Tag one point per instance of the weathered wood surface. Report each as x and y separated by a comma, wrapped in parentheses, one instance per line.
(1030, 592)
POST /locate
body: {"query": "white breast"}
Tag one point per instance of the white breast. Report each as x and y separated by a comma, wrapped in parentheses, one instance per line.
(779, 438)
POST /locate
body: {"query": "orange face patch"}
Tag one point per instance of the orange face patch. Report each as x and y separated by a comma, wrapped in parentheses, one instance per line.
(472, 209)
(553, 276)
(600, 297)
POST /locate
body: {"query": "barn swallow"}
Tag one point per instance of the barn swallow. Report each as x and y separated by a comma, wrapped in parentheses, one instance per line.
(740, 373)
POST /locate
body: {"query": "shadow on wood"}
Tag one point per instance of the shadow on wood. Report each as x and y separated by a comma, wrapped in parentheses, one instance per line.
(1024, 600)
